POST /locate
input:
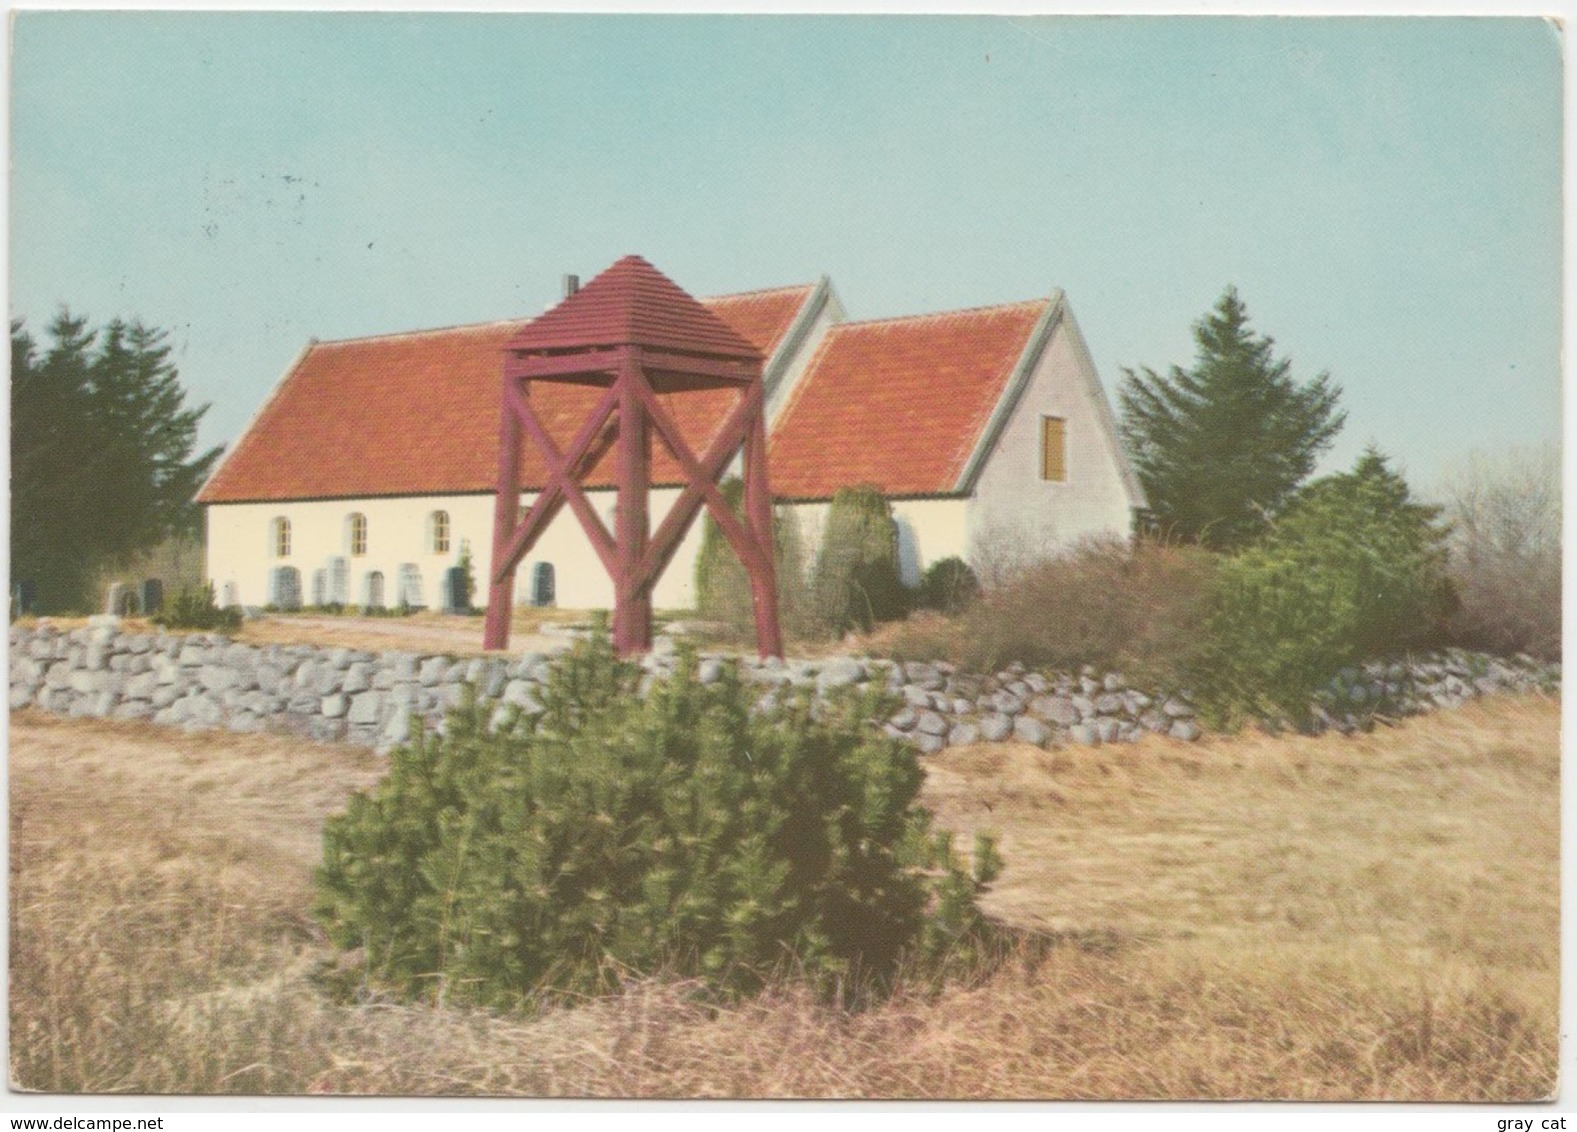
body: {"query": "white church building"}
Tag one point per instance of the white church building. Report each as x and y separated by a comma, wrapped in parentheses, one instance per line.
(373, 463)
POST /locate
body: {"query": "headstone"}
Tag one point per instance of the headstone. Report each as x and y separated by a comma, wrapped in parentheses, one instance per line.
(152, 596)
(122, 600)
(26, 595)
(227, 596)
(339, 581)
(320, 587)
(372, 590)
(410, 580)
(284, 587)
(543, 584)
(455, 597)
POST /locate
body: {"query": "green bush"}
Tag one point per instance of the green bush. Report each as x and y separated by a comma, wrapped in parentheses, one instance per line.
(856, 581)
(195, 608)
(722, 588)
(676, 834)
(1354, 569)
(948, 586)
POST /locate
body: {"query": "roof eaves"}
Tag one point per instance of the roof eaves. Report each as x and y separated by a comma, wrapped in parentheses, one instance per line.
(279, 385)
(1034, 347)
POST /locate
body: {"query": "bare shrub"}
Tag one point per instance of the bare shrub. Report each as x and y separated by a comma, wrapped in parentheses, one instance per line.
(1505, 515)
(1134, 605)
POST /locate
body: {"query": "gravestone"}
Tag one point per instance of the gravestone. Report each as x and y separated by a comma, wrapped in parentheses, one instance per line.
(25, 594)
(372, 591)
(122, 600)
(284, 588)
(410, 582)
(542, 584)
(339, 581)
(228, 596)
(320, 587)
(456, 597)
(152, 596)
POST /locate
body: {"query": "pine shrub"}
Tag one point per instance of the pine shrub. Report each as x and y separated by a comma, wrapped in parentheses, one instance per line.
(948, 586)
(856, 581)
(194, 607)
(1353, 570)
(677, 834)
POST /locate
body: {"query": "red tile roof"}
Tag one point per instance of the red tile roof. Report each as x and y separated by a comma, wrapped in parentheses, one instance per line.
(632, 303)
(417, 413)
(899, 404)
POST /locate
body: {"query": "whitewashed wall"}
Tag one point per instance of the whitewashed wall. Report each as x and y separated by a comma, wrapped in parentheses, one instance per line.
(928, 530)
(1012, 507)
(241, 548)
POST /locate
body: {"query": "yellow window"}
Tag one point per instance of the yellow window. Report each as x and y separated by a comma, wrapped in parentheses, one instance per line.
(1053, 449)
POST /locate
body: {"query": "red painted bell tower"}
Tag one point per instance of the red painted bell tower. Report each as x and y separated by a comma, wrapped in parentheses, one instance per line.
(634, 334)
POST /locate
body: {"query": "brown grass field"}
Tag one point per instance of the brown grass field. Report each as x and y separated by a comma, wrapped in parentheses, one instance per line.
(1254, 917)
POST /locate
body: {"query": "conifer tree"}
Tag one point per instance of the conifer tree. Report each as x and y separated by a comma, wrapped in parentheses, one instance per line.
(102, 462)
(1222, 447)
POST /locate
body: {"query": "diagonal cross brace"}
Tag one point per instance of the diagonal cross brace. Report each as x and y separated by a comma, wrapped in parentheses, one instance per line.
(562, 486)
(701, 488)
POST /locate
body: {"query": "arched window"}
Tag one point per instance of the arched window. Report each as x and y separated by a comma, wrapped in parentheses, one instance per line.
(281, 539)
(357, 526)
(438, 525)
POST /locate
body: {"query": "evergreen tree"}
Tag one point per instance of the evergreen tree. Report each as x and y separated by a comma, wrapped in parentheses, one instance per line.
(101, 453)
(1222, 447)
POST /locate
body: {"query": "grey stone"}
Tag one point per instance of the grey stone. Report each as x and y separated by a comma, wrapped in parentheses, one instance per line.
(1007, 703)
(163, 696)
(132, 709)
(930, 723)
(1107, 729)
(1055, 709)
(365, 708)
(203, 712)
(709, 671)
(1038, 684)
(1185, 729)
(928, 744)
(332, 706)
(20, 697)
(840, 672)
(1084, 733)
(1114, 682)
(1177, 709)
(1084, 706)
(88, 683)
(905, 718)
(217, 679)
(1028, 729)
(916, 695)
(1109, 703)
(995, 727)
(963, 734)
(140, 687)
(358, 678)
(432, 671)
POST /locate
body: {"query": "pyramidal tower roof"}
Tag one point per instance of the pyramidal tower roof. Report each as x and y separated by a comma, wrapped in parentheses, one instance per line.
(633, 304)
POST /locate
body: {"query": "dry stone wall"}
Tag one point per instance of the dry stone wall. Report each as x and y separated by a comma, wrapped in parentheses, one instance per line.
(199, 680)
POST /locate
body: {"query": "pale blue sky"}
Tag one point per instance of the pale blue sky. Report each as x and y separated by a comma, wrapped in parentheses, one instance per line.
(1385, 193)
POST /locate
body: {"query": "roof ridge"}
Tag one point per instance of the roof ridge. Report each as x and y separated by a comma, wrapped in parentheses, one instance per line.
(758, 292)
(416, 333)
(943, 314)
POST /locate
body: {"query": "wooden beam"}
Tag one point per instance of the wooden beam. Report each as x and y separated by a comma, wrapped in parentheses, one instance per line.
(593, 439)
(590, 521)
(501, 588)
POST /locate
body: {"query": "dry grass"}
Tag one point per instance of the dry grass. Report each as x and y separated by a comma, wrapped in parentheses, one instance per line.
(1251, 917)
